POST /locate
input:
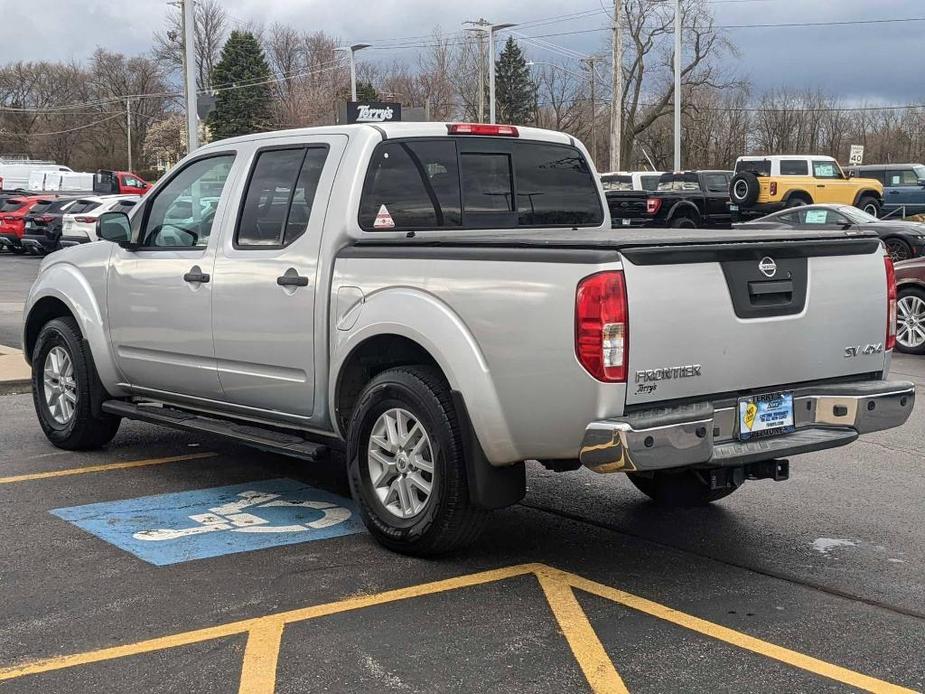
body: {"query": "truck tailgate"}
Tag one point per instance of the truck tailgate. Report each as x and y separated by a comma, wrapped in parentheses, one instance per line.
(725, 318)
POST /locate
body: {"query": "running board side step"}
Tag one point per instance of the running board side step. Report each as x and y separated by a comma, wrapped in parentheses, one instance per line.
(265, 439)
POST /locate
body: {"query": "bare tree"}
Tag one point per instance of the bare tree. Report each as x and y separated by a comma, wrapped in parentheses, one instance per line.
(210, 29)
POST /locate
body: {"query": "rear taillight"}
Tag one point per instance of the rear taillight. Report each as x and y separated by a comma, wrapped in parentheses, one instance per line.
(44, 218)
(773, 187)
(85, 220)
(482, 129)
(653, 205)
(890, 302)
(602, 326)
(9, 218)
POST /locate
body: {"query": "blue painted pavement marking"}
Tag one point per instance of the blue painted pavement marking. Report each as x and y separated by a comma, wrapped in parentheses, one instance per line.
(172, 528)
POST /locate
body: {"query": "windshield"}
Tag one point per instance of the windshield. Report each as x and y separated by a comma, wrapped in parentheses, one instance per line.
(857, 216)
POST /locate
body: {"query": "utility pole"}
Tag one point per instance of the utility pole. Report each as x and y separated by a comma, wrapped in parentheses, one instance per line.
(590, 63)
(189, 74)
(677, 85)
(616, 101)
(128, 130)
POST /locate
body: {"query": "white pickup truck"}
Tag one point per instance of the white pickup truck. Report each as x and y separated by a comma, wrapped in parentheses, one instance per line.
(442, 302)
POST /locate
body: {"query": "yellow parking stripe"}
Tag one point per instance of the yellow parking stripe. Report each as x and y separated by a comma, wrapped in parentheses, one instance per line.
(104, 468)
(587, 648)
(258, 673)
(736, 638)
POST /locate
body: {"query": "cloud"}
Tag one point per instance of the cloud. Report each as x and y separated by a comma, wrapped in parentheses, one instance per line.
(873, 62)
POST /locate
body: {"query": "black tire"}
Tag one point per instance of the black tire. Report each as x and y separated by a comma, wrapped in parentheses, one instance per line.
(744, 189)
(682, 488)
(85, 429)
(908, 342)
(683, 223)
(18, 250)
(448, 521)
(797, 202)
(898, 249)
(870, 205)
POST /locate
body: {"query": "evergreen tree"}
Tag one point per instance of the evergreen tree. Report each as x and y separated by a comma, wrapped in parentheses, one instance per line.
(247, 109)
(515, 91)
(366, 92)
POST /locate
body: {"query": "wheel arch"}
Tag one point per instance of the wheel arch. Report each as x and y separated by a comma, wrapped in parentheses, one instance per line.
(798, 193)
(60, 291)
(684, 208)
(431, 332)
(867, 192)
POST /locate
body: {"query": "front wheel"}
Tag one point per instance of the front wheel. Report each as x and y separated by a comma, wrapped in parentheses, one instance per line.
(678, 488)
(870, 205)
(63, 378)
(406, 465)
(898, 249)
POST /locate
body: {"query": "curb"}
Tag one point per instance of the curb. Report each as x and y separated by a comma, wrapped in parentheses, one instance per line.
(15, 387)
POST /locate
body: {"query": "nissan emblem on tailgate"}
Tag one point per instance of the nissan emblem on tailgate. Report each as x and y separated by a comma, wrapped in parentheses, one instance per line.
(768, 267)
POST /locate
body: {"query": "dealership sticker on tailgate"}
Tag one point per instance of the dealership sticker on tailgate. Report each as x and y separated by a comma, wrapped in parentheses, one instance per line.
(765, 415)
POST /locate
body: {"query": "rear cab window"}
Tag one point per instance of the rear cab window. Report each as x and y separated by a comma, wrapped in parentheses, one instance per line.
(477, 183)
(678, 183)
(618, 182)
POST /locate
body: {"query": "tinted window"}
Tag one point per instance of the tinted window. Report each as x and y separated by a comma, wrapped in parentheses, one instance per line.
(300, 211)
(123, 206)
(790, 167)
(269, 192)
(759, 167)
(617, 182)
(11, 205)
(82, 206)
(902, 177)
(650, 182)
(813, 217)
(878, 175)
(487, 183)
(182, 214)
(826, 169)
(60, 206)
(716, 183)
(554, 186)
(414, 185)
(40, 207)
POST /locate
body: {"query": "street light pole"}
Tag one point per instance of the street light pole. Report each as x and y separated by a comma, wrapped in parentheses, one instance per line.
(590, 63)
(488, 28)
(677, 85)
(353, 67)
(189, 74)
(128, 130)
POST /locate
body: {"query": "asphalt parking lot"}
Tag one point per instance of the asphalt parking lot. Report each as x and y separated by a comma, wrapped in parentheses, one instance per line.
(177, 562)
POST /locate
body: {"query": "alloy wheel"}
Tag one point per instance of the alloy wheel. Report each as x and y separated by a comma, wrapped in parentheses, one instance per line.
(910, 324)
(401, 463)
(897, 250)
(60, 386)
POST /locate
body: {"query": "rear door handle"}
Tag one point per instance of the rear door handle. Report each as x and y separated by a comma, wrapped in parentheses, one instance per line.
(292, 279)
(196, 276)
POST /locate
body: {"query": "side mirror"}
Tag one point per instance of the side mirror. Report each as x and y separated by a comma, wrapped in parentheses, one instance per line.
(114, 227)
(852, 174)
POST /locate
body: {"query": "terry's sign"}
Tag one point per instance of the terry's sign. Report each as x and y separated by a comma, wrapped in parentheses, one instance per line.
(372, 112)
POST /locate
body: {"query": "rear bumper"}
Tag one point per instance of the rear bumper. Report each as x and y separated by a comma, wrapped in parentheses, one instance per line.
(706, 435)
(9, 240)
(68, 241)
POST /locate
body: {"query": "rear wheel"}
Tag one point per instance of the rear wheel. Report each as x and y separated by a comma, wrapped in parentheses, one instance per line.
(797, 202)
(683, 223)
(406, 465)
(910, 321)
(63, 380)
(678, 488)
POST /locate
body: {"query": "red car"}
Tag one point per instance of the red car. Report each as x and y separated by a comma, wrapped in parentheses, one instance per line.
(910, 307)
(13, 220)
(119, 183)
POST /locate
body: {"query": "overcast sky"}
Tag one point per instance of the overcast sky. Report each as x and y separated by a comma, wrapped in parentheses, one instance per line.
(879, 62)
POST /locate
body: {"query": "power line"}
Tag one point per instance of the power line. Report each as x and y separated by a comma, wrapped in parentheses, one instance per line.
(3, 133)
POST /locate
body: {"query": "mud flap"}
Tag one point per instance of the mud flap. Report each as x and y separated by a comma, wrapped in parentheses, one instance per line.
(490, 486)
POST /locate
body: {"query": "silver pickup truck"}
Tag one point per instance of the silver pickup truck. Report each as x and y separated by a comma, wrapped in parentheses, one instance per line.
(439, 303)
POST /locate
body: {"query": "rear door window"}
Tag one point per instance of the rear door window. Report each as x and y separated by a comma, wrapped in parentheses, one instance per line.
(412, 185)
(794, 167)
(554, 186)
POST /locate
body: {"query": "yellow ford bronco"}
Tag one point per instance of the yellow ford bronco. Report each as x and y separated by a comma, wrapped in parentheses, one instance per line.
(762, 185)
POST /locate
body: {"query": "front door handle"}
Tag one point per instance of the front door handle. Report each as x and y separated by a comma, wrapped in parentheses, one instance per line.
(196, 276)
(292, 279)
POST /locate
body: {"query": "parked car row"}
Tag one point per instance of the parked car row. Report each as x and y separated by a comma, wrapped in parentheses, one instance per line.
(42, 224)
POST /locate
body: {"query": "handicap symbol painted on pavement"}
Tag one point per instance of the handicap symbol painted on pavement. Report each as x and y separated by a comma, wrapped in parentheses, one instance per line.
(171, 528)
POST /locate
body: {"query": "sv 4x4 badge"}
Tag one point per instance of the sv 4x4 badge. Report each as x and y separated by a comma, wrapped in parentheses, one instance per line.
(863, 350)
